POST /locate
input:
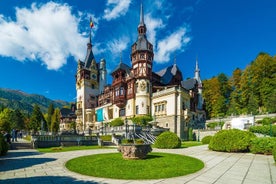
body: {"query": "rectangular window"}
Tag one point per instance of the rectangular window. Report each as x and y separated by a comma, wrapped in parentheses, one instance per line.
(117, 92)
(122, 112)
(163, 107)
(122, 91)
(137, 109)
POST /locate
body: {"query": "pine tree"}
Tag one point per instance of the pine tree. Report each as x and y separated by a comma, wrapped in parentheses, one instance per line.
(55, 121)
(49, 116)
(36, 119)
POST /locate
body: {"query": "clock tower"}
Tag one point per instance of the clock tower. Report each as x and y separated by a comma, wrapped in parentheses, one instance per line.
(87, 87)
(141, 59)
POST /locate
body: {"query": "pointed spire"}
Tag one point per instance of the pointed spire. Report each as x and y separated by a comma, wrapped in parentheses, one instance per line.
(89, 55)
(121, 57)
(141, 15)
(197, 68)
(174, 61)
(197, 72)
(142, 26)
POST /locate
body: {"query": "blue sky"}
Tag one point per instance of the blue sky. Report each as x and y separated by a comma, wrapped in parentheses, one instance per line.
(41, 41)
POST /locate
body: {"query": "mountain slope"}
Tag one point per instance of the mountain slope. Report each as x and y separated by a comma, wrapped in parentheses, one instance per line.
(16, 99)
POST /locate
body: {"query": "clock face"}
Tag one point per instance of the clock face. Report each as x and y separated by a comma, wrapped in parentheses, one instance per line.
(94, 76)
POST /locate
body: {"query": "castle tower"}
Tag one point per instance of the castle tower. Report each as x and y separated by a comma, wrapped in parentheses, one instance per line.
(102, 75)
(87, 87)
(141, 58)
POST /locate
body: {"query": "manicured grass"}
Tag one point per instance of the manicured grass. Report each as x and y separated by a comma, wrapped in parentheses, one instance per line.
(69, 148)
(187, 144)
(155, 166)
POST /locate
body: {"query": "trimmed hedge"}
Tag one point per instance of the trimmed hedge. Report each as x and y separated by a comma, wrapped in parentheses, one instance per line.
(265, 129)
(206, 139)
(4, 146)
(167, 140)
(233, 140)
(262, 145)
(106, 137)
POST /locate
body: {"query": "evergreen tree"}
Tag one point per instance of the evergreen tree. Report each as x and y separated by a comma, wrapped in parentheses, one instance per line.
(225, 91)
(5, 120)
(36, 119)
(49, 116)
(55, 121)
(235, 106)
(17, 120)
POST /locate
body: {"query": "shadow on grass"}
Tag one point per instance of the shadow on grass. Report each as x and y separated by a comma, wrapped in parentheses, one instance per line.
(153, 156)
(48, 179)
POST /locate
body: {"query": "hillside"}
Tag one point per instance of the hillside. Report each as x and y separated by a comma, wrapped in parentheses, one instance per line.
(16, 99)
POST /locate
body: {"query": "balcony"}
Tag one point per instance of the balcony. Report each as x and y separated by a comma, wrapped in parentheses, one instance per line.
(120, 101)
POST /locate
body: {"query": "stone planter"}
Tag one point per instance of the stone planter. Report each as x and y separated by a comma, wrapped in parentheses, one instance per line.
(135, 151)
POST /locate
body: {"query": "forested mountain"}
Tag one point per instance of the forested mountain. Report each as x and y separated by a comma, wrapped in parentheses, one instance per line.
(15, 99)
(252, 90)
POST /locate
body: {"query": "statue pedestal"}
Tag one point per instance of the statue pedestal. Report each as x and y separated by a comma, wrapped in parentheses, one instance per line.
(135, 151)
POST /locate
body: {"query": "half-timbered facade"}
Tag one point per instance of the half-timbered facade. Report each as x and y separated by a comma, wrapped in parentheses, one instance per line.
(136, 90)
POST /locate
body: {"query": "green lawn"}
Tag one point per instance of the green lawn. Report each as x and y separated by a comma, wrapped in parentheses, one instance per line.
(155, 166)
(69, 148)
(187, 144)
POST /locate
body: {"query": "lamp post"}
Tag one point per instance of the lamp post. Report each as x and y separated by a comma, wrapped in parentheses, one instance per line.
(126, 128)
(198, 138)
(270, 130)
(102, 128)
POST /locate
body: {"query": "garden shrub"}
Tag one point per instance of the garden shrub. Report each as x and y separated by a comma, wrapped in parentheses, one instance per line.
(106, 137)
(262, 145)
(3, 145)
(265, 129)
(274, 153)
(191, 136)
(212, 125)
(206, 139)
(233, 140)
(131, 141)
(139, 141)
(117, 122)
(167, 140)
(127, 141)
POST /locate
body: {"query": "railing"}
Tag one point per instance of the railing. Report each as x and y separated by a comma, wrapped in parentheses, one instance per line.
(40, 141)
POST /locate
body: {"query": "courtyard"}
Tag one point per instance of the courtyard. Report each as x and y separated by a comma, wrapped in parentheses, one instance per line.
(29, 166)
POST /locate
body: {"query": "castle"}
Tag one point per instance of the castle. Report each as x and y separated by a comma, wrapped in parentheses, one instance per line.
(137, 90)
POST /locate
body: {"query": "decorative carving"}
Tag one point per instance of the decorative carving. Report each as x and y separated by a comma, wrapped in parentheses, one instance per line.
(142, 85)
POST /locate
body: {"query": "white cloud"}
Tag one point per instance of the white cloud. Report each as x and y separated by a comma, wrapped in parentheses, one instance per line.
(152, 26)
(48, 33)
(172, 43)
(117, 46)
(116, 8)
